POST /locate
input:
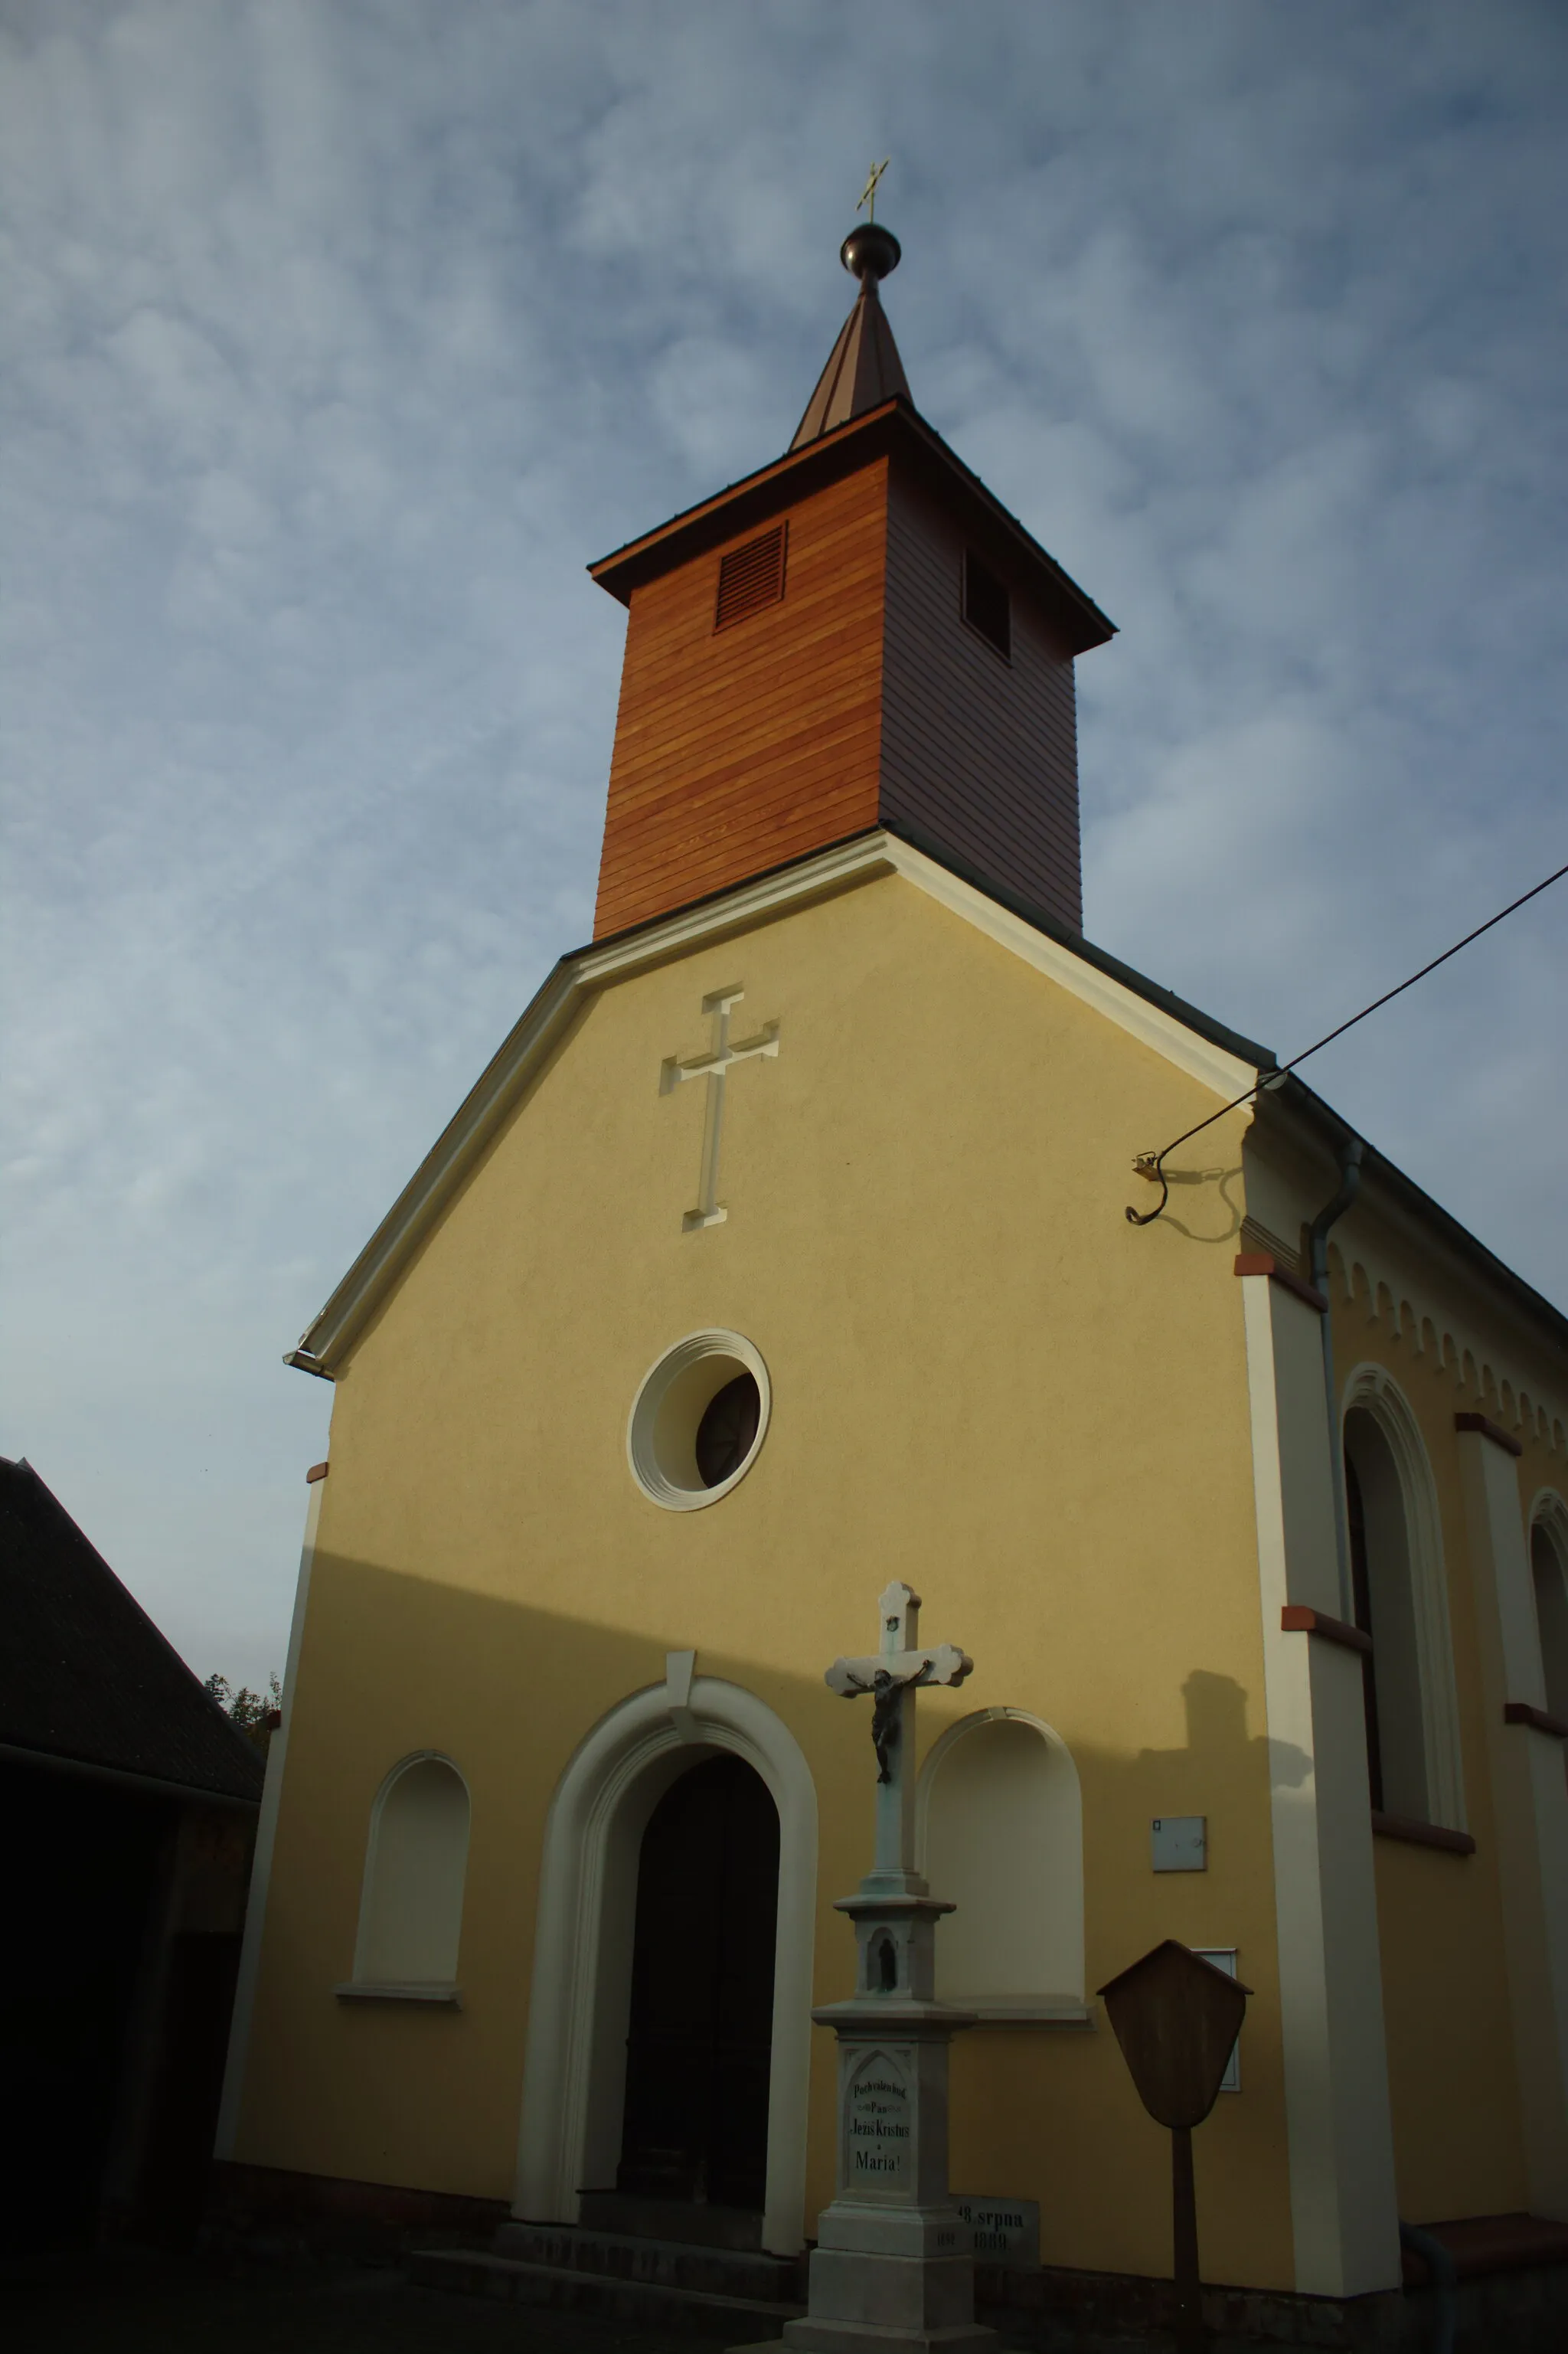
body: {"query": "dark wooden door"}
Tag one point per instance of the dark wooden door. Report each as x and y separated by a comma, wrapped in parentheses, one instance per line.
(702, 1991)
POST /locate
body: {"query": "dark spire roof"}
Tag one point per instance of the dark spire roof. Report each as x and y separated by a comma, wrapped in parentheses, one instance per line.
(84, 1674)
(863, 367)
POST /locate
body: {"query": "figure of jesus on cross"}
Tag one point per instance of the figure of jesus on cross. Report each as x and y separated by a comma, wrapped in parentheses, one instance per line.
(893, 1678)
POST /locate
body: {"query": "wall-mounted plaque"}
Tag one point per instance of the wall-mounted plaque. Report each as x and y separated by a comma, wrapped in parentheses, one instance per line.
(1007, 2231)
(1179, 1842)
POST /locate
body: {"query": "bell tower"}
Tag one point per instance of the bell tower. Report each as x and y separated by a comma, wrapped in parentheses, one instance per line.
(857, 635)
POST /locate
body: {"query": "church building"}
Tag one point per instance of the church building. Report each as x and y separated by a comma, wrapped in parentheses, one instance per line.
(783, 1252)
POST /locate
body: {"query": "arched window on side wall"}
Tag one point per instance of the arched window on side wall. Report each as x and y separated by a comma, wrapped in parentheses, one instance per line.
(410, 1913)
(1001, 1823)
(1400, 1600)
(1549, 1573)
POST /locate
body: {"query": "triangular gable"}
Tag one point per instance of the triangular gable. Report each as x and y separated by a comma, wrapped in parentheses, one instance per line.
(1204, 1050)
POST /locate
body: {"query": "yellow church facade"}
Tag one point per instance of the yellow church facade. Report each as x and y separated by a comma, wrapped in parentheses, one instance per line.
(841, 1144)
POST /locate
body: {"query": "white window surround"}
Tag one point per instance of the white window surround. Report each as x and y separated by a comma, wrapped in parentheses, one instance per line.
(440, 1991)
(416, 1922)
(1059, 2005)
(574, 2069)
(1369, 1389)
(1548, 1510)
(1225, 1957)
(672, 1397)
(1548, 1526)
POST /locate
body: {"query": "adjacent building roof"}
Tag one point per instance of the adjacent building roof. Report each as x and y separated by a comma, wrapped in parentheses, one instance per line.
(85, 1676)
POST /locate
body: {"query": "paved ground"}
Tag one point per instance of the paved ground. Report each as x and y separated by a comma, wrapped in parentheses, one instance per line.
(150, 2305)
(135, 2303)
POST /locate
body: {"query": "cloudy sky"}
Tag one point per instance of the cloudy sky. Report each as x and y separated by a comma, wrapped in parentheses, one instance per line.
(340, 338)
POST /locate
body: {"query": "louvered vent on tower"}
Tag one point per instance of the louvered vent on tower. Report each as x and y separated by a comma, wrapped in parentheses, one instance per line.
(751, 577)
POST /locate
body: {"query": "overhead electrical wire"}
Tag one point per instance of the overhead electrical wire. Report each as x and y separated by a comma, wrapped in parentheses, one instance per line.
(1151, 1164)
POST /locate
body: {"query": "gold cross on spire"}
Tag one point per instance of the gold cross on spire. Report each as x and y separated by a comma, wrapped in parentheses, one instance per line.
(868, 193)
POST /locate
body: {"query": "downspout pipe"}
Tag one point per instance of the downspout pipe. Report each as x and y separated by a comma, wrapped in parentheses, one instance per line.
(1445, 2280)
(1350, 1154)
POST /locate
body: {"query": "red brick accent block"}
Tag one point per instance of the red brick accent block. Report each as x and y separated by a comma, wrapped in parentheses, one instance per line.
(1260, 1263)
(1499, 1437)
(1301, 1618)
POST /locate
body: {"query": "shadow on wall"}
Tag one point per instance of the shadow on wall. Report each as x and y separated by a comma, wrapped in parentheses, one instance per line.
(395, 1666)
(1213, 1215)
(1217, 1737)
(400, 1672)
(400, 1668)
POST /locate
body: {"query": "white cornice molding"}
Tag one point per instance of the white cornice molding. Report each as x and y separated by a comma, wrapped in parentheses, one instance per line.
(491, 1102)
(1212, 1066)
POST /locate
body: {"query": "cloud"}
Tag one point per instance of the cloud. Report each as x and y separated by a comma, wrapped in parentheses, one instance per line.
(340, 340)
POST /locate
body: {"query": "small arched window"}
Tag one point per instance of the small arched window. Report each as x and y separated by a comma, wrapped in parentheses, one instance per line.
(1401, 1601)
(1549, 1574)
(410, 1913)
(1001, 1820)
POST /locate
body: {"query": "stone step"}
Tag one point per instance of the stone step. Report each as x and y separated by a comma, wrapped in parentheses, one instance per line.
(668, 2264)
(567, 2288)
(690, 2221)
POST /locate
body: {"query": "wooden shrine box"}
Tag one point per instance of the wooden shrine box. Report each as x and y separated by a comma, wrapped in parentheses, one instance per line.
(1176, 2018)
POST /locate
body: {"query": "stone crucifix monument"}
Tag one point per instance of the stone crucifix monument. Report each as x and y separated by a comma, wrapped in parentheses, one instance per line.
(894, 2266)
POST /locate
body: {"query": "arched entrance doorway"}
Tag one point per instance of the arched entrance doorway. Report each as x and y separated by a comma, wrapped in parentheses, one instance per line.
(571, 2131)
(699, 2042)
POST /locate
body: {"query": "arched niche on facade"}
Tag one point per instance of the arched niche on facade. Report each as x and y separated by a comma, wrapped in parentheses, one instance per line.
(574, 2082)
(1000, 1830)
(1402, 1600)
(415, 1861)
(1549, 1577)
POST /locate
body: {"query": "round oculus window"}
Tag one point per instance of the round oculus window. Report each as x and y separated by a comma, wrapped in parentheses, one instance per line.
(698, 1420)
(727, 1431)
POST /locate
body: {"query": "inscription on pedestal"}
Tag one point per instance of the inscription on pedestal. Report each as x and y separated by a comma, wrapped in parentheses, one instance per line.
(1006, 2230)
(879, 2142)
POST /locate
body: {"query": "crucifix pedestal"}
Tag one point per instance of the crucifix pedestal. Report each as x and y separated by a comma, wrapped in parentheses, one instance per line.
(893, 2265)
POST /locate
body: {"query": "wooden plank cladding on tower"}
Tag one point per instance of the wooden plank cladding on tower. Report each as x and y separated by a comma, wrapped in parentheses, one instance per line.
(858, 635)
(978, 740)
(737, 748)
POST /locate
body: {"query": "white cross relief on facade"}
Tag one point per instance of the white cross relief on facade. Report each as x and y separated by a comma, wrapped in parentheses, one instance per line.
(714, 1067)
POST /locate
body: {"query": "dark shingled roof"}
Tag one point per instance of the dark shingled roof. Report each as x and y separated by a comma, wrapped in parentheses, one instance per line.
(84, 1674)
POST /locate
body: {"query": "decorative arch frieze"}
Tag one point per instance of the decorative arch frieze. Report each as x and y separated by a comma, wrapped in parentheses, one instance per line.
(1427, 1335)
